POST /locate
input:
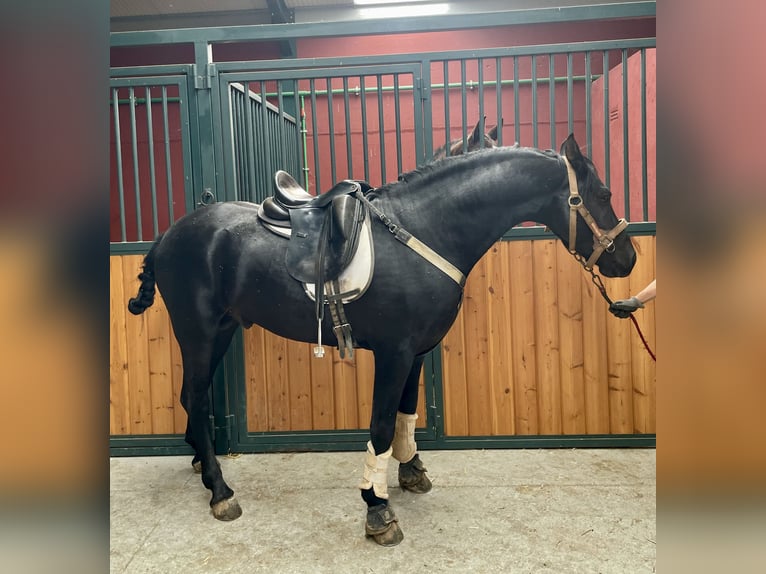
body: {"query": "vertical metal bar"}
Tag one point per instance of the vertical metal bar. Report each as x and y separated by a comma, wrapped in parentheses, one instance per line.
(281, 126)
(247, 149)
(552, 96)
(464, 104)
(134, 144)
(422, 110)
(480, 71)
(516, 126)
(243, 120)
(331, 120)
(570, 95)
(499, 99)
(315, 131)
(625, 138)
(265, 151)
(446, 108)
(363, 96)
(644, 175)
(299, 113)
(152, 176)
(398, 124)
(237, 131)
(588, 127)
(166, 140)
(607, 147)
(347, 116)
(381, 128)
(118, 152)
(534, 101)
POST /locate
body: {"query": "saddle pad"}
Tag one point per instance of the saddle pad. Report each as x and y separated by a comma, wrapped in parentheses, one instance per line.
(358, 274)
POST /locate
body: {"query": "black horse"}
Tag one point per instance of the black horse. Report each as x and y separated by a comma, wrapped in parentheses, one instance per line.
(220, 267)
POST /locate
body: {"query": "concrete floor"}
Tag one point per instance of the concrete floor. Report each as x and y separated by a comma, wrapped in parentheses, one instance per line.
(509, 511)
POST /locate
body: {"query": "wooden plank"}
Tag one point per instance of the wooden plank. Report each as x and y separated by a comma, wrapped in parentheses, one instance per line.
(643, 368)
(322, 393)
(119, 401)
(524, 348)
(138, 359)
(344, 380)
(277, 382)
(618, 362)
(298, 356)
(365, 378)
(595, 361)
(454, 380)
(476, 351)
(569, 289)
(547, 337)
(256, 392)
(160, 367)
(500, 360)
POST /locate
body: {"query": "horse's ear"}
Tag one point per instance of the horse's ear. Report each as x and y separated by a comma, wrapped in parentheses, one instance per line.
(493, 133)
(476, 134)
(571, 151)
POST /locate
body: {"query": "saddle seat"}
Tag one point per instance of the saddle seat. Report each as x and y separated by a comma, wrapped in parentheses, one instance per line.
(325, 231)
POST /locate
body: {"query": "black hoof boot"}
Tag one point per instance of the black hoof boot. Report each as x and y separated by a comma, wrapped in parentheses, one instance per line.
(381, 525)
(412, 476)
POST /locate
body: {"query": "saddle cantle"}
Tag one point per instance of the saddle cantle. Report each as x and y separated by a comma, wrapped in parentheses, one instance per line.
(330, 247)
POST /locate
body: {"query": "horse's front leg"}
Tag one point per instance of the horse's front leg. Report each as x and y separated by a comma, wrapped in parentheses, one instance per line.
(412, 473)
(391, 371)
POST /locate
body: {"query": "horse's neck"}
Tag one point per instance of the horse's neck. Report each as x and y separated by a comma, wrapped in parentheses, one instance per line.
(460, 217)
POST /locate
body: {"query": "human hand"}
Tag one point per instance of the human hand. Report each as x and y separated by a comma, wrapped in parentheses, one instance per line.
(624, 307)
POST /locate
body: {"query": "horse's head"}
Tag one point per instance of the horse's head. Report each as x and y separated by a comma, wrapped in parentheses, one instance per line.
(476, 141)
(593, 231)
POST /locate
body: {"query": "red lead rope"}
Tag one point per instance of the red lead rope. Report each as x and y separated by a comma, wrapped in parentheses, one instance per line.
(600, 285)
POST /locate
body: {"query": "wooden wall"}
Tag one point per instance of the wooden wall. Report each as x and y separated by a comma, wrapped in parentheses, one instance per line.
(534, 351)
(144, 360)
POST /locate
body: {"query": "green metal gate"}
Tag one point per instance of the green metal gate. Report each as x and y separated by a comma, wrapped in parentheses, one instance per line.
(241, 121)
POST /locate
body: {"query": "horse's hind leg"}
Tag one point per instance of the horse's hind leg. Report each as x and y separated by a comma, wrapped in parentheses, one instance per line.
(412, 473)
(200, 359)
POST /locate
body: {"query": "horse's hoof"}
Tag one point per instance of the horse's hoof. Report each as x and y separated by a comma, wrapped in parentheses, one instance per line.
(382, 527)
(392, 536)
(413, 477)
(197, 466)
(228, 509)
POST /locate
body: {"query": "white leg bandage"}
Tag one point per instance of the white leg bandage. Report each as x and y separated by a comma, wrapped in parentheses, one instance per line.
(375, 472)
(404, 437)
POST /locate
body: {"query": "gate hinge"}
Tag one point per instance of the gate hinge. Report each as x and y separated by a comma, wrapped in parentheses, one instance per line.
(228, 426)
(422, 89)
(203, 79)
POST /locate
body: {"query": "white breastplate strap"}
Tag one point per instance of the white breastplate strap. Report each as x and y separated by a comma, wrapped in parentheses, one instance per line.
(404, 446)
(376, 471)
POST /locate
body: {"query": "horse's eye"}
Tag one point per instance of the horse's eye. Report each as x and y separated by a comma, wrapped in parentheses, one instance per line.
(605, 195)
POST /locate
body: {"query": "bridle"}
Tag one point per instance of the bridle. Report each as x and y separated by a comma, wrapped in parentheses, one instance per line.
(602, 240)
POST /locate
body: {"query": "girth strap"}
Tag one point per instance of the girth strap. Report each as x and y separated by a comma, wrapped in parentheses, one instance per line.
(415, 244)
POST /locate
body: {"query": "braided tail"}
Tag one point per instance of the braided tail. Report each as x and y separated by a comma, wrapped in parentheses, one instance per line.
(145, 297)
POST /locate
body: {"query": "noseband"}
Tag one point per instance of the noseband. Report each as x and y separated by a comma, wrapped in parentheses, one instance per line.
(602, 240)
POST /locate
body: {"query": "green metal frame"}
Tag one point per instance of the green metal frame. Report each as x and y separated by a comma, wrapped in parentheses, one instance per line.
(206, 170)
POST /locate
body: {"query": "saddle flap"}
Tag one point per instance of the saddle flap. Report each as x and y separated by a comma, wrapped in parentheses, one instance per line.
(323, 241)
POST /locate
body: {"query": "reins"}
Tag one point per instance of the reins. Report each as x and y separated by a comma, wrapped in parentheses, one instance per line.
(603, 241)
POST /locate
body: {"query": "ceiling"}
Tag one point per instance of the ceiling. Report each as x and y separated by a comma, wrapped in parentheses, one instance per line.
(127, 15)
